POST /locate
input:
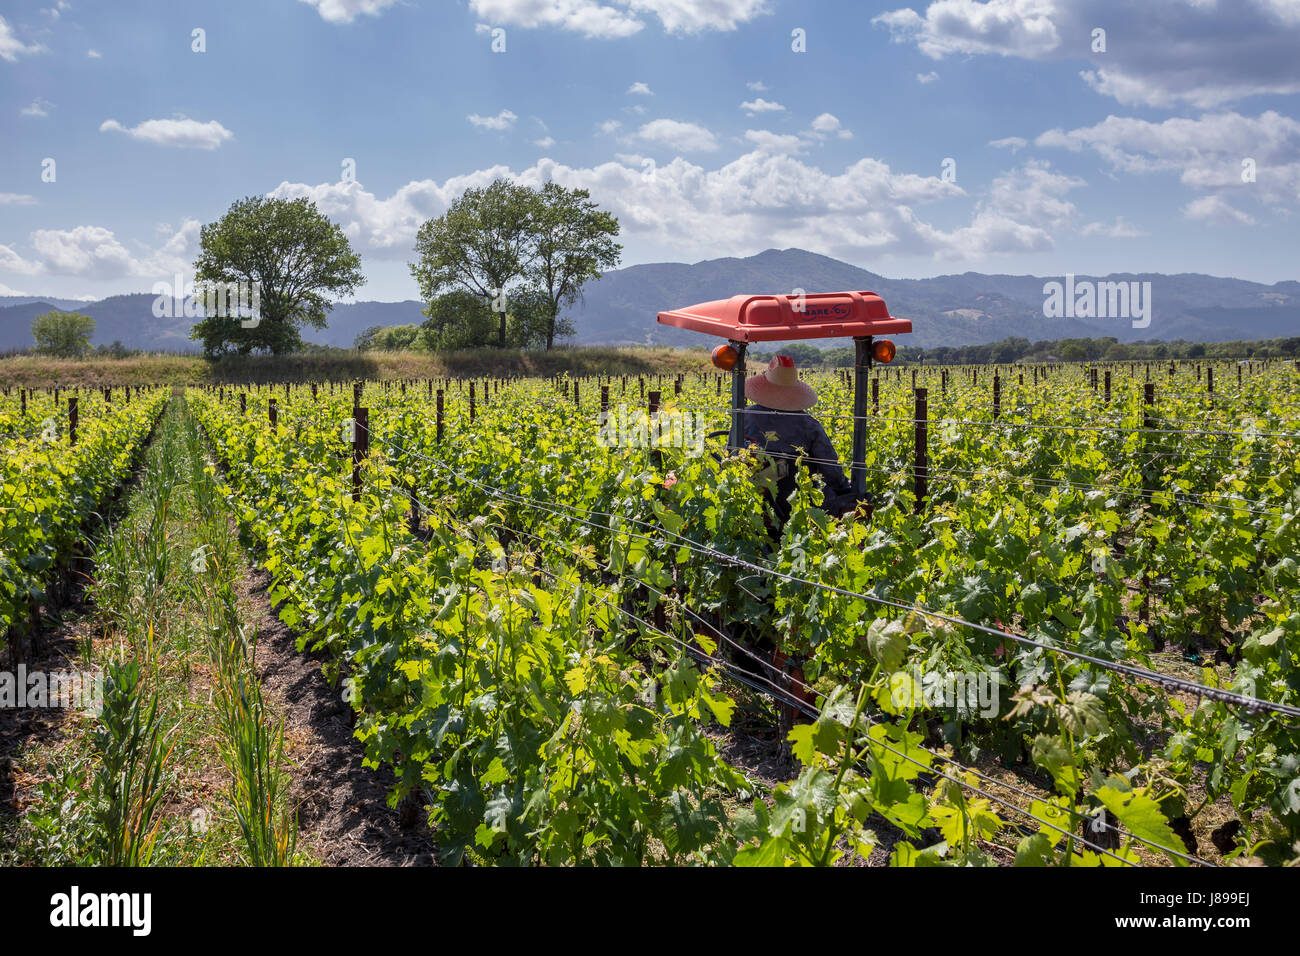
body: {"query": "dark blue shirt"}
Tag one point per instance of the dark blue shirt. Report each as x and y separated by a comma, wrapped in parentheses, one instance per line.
(793, 434)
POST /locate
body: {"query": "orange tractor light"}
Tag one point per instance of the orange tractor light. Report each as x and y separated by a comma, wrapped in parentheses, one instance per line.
(725, 357)
(883, 350)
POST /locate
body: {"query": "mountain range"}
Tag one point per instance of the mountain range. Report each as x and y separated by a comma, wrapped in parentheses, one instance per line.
(620, 308)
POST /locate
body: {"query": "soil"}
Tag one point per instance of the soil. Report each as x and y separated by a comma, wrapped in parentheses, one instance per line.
(343, 813)
(42, 727)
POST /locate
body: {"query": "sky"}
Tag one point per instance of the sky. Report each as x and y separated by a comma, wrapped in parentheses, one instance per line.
(1013, 136)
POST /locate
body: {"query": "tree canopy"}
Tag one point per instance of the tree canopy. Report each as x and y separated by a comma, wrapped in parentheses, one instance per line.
(390, 338)
(572, 242)
(298, 261)
(522, 253)
(63, 334)
(477, 246)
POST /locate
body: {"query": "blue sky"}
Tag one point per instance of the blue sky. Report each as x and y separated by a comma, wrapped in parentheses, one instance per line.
(696, 121)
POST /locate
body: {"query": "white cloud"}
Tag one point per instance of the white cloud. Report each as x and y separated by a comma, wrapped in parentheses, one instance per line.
(827, 124)
(386, 227)
(1207, 152)
(761, 105)
(1034, 194)
(94, 54)
(1200, 53)
(1021, 212)
(39, 107)
(1121, 228)
(345, 11)
(580, 16)
(608, 19)
(766, 197)
(546, 142)
(1007, 27)
(17, 199)
(1013, 143)
(5, 290)
(640, 89)
(1287, 11)
(181, 132)
(610, 126)
(11, 261)
(758, 86)
(924, 78)
(11, 48)
(1217, 211)
(90, 251)
(768, 142)
(503, 120)
(674, 134)
(94, 252)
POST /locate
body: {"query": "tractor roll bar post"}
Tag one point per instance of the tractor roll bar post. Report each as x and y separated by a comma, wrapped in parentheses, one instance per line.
(736, 438)
(861, 373)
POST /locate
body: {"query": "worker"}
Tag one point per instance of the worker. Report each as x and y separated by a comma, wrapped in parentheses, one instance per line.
(778, 423)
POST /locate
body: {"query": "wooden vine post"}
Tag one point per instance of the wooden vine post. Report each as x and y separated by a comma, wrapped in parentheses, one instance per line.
(1148, 400)
(360, 446)
(652, 409)
(921, 464)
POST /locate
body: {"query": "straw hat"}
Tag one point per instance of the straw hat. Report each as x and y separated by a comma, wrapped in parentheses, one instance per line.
(779, 387)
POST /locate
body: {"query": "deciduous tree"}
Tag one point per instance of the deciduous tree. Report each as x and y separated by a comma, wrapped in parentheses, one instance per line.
(299, 261)
(63, 334)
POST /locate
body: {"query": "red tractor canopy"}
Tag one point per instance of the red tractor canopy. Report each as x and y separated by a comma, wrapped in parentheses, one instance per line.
(776, 318)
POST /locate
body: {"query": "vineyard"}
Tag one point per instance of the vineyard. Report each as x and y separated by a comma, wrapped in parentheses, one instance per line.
(1061, 637)
(536, 631)
(64, 454)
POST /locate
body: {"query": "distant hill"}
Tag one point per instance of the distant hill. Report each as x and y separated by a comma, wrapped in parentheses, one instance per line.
(128, 319)
(68, 305)
(966, 309)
